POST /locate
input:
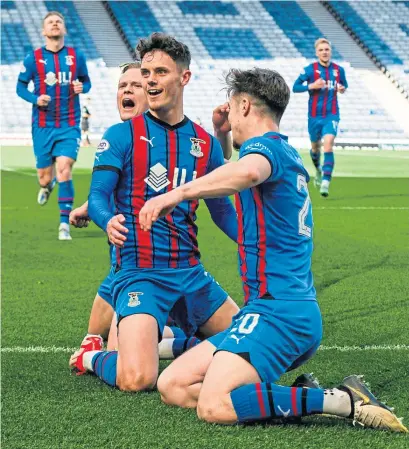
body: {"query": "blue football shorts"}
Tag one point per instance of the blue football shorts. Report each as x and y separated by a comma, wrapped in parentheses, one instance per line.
(318, 127)
(190, 295)
(274, 336)
(50, 143)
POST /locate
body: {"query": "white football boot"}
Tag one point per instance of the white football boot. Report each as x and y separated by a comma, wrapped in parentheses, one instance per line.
(45, 192)
(324, 189)
(64, 232)
(368, 411)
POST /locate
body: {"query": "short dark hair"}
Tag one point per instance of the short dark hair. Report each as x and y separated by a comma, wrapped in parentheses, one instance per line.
(265, 85)
(54, 13)
(178, 51)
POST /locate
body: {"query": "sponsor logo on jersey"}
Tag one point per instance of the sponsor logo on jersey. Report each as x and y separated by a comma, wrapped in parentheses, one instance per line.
(157, 178)
(134, 299)
(147, 140)
(50, 79)
(103, 146)
(69, 60)
(196, 149)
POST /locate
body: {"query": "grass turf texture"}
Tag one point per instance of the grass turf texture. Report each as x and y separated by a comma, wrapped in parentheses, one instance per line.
(360, 265)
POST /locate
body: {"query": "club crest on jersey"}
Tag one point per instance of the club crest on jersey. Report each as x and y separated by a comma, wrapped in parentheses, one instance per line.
(335, 72)
(50, 79)
(196, 149)
(69, 60)
(134, 299)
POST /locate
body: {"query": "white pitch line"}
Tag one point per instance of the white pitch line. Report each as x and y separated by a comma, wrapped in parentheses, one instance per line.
(361, 208)
(57, 349)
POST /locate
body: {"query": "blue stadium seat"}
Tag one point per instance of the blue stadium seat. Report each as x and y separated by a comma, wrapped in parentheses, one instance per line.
(304, 33)
(15, 43)
(135, 18)
(231, 43)
(367, 35)
(8, 5)
(213, 8)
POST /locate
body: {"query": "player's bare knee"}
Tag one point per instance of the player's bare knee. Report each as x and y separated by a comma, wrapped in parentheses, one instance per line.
(210, 410)
(44, 179)
(136, 380)
(64, 173)
(168, 387)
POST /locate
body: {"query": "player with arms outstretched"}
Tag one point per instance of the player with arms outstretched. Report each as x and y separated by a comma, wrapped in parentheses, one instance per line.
(59, 74)
(323, 80)
(160, 271)
(231, 377)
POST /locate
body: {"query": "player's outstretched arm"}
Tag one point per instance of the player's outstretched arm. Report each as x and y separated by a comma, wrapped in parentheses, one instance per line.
(249, 171)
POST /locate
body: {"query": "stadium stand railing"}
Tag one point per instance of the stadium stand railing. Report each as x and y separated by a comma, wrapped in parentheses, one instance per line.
(380, 52)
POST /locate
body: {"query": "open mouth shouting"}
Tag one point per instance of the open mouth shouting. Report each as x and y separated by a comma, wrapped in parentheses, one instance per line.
(128, 104)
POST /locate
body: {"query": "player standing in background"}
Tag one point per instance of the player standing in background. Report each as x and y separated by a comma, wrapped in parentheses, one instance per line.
(59, 74)
(131, 101)
(85, 115)
(324, 80)
(160, 271)
(230, 377)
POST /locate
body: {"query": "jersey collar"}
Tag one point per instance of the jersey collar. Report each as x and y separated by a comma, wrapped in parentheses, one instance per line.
(274, 135)
(166, 125)
(54, 52)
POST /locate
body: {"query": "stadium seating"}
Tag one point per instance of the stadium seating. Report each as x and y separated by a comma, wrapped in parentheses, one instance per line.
(135, 19)
(220, 34)
(286, 14)
(383, 27)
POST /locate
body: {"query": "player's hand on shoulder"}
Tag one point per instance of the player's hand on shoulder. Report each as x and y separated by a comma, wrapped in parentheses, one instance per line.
(78, 87)
(317, 84)
(220, 119)
(116, 230)
(43, 100)
(157, 207)
(79, 217)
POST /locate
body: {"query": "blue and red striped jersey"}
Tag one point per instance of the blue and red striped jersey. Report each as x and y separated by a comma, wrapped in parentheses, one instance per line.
(152, 158)
(322, 102)
(275, 225)
(53, 74)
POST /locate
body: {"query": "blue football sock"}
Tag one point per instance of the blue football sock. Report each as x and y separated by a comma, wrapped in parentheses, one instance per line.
(65, 200)
(181, 345)
(260, 401)
(177, 332)
(328, 166)
(104, 366)
(315, 157)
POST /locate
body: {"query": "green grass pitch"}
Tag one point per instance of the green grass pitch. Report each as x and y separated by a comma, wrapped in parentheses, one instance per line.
(360, 266)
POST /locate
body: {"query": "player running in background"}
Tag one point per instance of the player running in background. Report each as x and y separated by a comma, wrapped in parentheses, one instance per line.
(231, 377)
(323, 80)
(59, 74)
(85, 115)
(158, 272)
